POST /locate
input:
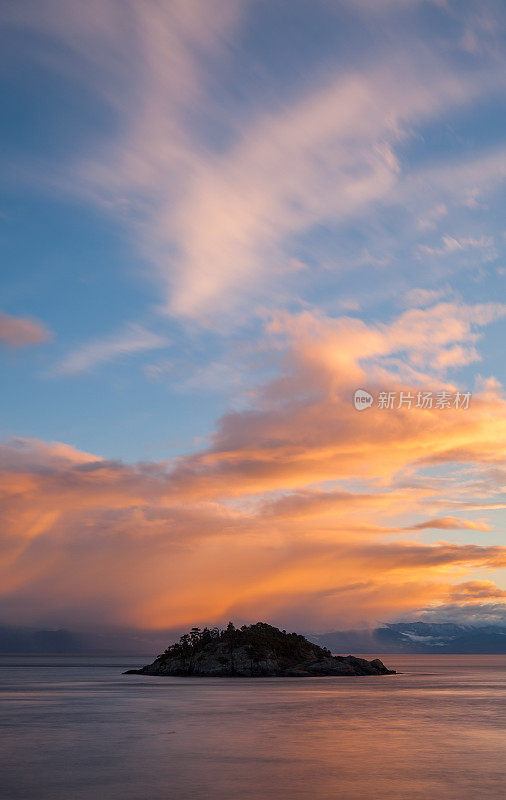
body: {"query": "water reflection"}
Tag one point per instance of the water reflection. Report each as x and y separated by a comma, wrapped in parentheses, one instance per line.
(77, 729)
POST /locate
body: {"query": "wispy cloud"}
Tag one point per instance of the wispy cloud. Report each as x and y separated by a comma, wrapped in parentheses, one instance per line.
(131, 340)
(424, 297)
(218, 221)
(450, 245)
(324, 159)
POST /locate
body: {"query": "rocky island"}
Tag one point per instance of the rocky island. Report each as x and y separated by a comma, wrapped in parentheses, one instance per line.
(259, 650)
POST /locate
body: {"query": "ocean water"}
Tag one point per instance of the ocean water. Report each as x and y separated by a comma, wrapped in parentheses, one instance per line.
(76, 729)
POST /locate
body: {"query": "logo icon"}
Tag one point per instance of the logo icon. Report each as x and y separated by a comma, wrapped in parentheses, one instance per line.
(362, 399)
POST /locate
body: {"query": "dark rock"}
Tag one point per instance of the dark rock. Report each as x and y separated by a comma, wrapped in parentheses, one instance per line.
(259, 650)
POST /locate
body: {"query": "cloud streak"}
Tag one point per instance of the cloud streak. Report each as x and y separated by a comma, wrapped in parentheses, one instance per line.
(451, 523)
(131, 340)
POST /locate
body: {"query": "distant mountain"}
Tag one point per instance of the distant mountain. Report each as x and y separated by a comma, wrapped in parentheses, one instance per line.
(417, 637)
(33, 641)
(396, 637)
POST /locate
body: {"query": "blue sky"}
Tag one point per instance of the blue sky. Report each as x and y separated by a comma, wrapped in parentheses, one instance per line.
(74, 263)
(205, 207)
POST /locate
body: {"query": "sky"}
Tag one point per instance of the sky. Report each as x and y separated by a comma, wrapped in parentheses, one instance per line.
(218, 220)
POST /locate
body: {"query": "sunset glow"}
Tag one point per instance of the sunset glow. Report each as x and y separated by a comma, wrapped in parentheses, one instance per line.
(214, 231)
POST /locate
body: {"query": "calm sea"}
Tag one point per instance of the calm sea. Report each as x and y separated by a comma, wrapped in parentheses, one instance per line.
(77, 729)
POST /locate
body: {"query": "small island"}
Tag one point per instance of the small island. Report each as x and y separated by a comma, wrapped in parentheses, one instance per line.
(258, 650)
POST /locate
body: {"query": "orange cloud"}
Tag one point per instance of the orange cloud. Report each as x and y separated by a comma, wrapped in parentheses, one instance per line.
(449, 523)
(304, 430)
(471, 591)
(297, 511)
